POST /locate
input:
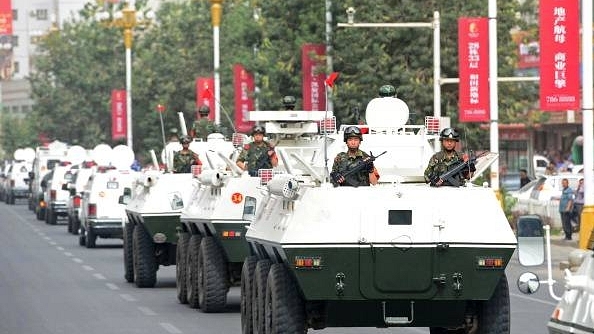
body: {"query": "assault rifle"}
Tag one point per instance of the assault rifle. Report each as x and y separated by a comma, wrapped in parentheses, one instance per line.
(362, 164)
(450, 177)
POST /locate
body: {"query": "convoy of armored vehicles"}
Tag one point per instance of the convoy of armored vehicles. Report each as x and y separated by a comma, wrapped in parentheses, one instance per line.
(306, 254)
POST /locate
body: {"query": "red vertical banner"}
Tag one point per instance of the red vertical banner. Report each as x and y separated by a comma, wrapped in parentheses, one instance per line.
(473, 64)
(243, 84)
(5, 17)
(119, 121)
(205, 95)
(559, 55)
(314, 94)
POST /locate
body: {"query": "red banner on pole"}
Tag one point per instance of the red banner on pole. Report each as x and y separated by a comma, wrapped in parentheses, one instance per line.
(243, 83)
(314, 93)
(118, 114)
(473, 64)
(5, 17)
(205, 95)
(559, 55)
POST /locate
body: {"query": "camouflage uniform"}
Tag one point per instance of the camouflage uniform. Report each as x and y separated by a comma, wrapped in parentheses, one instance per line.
(183, 161)
(441, 163)
(343, 163)
(256, 157)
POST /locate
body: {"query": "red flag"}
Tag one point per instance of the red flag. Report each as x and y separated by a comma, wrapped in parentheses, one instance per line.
(160, 108)
(331, 78)
(207, 94)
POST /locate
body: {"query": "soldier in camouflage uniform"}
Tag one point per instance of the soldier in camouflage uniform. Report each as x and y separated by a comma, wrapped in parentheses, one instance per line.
(184, 159)
(258, 154)
(345, 161)
(446, 159)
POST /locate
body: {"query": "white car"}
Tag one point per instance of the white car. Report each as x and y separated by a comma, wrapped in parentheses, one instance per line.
(541, 197)
(17, 181)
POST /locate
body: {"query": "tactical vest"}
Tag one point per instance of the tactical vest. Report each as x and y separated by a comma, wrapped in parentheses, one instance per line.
(346, 163)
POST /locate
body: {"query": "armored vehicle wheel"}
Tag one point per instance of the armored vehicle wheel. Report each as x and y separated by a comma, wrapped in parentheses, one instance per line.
(51, 217)
(75, 226)
(192, 270)
(180, 267)
(91, 238)
(259, 294)
(69, 226)
(82, 239)
(212, 277)
(40, 214)
(285, 310)
(11, 199)
(247, 276)
(145, 264)
(494, 315)
(128, 253)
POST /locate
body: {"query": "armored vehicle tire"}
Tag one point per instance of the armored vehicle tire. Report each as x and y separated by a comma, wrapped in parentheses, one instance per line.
(82, 239)
(145, 264)
(69, 227)
(247, 276)
(40, 214)
(493, 314)
(212, 277)
(91, 238)
(75, 226)
(259, 294)
(285, 309)
(181, 267)
(128, 252)
(192, 270)
(51, 217)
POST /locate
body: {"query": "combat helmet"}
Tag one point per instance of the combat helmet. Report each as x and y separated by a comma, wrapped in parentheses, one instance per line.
(186, 140)
(387, 91)
(258, 129)
(352, 131)
(449, 133)
(203, 111)
(289, 102)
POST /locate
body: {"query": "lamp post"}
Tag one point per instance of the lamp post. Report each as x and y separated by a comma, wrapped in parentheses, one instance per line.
(127, 19)
(216, 10)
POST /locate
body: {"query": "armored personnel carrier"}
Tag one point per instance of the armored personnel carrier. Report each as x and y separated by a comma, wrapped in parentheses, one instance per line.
(396, 254)
(212, 245)
(153, 211)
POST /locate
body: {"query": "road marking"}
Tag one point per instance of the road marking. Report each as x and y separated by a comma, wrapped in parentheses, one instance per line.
(67, 253)
(170, 328)
(53, 243)
(127, 297)
(88, 268)
(77, 260)
(47, 238)
(60, 248)
(99, 276)
(146, 310)
(112, 286)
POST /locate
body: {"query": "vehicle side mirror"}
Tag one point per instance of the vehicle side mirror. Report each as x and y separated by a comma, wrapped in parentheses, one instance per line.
(31, 175)
(43, 184)
(530, 240)
(64, 186)
(528, 283)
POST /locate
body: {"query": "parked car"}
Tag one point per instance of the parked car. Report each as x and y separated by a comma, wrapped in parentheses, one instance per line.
(541, 197)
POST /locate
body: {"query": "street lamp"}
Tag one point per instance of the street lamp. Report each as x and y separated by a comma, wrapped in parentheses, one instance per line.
(216, 11)
(127, 19)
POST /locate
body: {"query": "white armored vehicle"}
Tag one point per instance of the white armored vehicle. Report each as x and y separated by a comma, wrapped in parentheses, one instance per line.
(46, 157)
(399, 253)
(150, 233)
(212, 242)
(17, 176)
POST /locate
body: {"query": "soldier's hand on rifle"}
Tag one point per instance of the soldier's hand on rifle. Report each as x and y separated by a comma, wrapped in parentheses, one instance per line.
(337, 177)
(271, 152)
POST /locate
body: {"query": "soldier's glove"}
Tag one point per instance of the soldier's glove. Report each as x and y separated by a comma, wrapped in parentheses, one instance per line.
(335, 176)
(471, 167)
(370, 167)
(433, 179)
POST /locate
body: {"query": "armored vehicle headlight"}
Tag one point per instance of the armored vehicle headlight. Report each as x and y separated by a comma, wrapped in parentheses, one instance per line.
(284, 185)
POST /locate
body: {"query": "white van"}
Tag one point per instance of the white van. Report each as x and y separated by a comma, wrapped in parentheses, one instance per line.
(101, 214)
(17, 181)
(45, 160)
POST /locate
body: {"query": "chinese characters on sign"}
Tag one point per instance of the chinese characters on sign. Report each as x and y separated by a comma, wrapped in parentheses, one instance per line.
(559, 59)
(118, 114)
(314, 97)
(473, 63)
(243, 81)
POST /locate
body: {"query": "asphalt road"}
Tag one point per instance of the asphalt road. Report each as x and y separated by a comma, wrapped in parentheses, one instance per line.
(49, 285)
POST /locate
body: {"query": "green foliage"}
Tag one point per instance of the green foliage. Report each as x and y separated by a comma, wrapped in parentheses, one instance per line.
(80, 65)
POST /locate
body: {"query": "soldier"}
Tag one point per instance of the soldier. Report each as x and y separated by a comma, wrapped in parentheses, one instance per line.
(447, 158)
(184, 159)
(202, 126)
(258, 154)
(346, 161)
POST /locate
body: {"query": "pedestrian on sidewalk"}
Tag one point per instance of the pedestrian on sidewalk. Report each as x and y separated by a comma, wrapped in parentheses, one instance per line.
(566, 207)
